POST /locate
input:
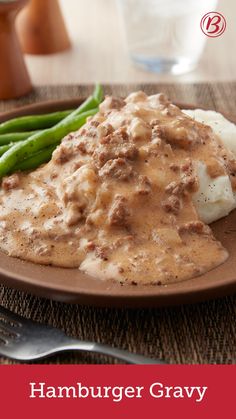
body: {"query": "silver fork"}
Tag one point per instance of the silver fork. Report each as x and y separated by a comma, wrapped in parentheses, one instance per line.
(25, 340)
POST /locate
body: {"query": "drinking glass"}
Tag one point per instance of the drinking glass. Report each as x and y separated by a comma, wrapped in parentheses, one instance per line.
(164, 36)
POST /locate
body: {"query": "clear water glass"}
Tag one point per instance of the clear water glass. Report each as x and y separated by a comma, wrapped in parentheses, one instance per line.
(164, 36)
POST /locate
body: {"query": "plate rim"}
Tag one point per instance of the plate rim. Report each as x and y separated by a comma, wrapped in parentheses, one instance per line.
(166, 297)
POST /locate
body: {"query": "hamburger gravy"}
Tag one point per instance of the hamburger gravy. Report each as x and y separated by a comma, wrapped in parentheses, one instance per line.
(120, 197)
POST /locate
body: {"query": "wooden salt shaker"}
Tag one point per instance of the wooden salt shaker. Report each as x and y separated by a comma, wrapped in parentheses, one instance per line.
(41, 28)
(14, 78)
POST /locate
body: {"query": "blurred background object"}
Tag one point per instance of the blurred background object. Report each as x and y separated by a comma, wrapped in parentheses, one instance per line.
(99, 51)
(41, 28)
(164, 36)
(14, 78)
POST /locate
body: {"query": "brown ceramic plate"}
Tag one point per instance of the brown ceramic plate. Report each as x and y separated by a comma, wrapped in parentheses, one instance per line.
(70, 285)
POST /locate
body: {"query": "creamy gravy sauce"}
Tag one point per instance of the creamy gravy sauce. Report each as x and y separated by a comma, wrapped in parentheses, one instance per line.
(116, 198)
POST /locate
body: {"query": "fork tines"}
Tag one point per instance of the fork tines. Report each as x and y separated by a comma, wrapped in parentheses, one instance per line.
(8, 325)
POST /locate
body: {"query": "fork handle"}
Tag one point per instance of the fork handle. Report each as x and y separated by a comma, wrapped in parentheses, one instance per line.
(121, 354)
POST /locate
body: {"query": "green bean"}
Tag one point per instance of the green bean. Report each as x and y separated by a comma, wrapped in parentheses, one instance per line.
(33, 122)
(98, 93)
(36, 160)
(14, 137)
(36, 122)
(23, 150)
(5, 148)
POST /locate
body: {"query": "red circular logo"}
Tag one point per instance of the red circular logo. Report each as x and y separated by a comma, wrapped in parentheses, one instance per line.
(213, 24)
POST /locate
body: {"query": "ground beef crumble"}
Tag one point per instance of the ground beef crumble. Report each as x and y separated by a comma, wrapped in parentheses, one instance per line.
(119, 212)
(10, 182)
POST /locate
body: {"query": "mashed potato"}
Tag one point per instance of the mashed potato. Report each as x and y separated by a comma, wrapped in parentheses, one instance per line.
(214, 198)
(225, 129)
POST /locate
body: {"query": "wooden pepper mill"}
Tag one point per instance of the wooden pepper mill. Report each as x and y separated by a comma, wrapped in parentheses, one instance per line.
(41, 28)
(14, 78)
